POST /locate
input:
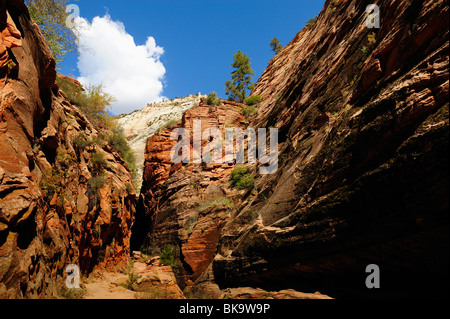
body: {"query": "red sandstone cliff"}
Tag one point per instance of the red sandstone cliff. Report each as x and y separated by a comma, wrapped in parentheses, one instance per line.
(185, 205)
(363, 176)
(363, 169)
(50, 216)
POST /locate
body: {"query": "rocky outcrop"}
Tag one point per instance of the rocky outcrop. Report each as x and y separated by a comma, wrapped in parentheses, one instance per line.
(363, 177)
(52, 211)
(257, 293)
(151, 281)
(156, 281)
(185, 205)
(141, 124)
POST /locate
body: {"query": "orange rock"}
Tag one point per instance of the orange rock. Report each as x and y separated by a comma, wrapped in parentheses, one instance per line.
(200, 232)
(45, 199)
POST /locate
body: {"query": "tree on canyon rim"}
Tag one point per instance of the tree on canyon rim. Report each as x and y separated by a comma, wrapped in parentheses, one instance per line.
(241, 78)
(275, 45)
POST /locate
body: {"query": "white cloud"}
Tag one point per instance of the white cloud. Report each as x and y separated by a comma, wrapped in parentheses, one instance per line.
(132, 73)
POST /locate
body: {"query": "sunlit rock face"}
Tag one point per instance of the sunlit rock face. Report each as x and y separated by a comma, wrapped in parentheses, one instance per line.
(363, 177)
(362, 116)
(50, 215)
(141, 124)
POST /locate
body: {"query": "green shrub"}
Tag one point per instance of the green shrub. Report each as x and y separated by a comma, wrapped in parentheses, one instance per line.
(241, 178)
(130, 159)
(97, 182)
(71, 90)
(248, 111)
(63, 157)
(311, 22)
(364, 50)
(132, 280)
(81, 141)
(98, 163)
(253, 100)
(50, 182)
(167, 257)
(71, 293)
(372, 38)
(119, 143)
(246, 182)
(51, 17)
(98, 159)
(217, 202)
(167, 125)
(94, 103)
(132, 277)
(212, 99)
(237, 173)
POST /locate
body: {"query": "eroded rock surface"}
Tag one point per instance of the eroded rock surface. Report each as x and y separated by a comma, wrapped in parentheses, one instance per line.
(50, 214)
(185, 205)
(363, 165)
(363, 177)
(141, 124)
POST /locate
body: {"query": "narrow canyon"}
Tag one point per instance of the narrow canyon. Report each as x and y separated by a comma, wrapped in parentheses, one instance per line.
(363, 131)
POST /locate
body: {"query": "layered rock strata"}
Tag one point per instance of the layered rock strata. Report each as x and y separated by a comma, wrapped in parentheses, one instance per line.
(186, 205)
(52, 214)
(363, 177)
(363, 164)
(141, 124)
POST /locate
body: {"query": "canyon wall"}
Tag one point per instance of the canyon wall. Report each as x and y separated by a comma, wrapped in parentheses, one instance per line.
(363, 177)
(185, 205)
(363, 165)
(363, 157)
(139, 125)
(53, 212)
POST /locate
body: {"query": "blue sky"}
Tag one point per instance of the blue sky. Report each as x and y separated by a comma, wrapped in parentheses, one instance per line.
(199, 37)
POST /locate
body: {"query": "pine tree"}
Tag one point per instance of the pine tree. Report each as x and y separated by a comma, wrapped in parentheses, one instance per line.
(241, 78)
(276, 45)
(230, 90)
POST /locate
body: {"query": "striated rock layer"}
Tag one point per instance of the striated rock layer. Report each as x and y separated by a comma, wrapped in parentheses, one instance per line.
(363, 166)
(51, 214)
(139, 125)
(185, 205)
(363, 176)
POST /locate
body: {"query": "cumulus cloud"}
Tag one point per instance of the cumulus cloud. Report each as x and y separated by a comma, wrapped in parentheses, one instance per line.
(132, 73)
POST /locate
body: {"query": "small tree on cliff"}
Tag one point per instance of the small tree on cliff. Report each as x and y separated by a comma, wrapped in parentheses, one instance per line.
(276, 45)
(51, 16)
(241, 78)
